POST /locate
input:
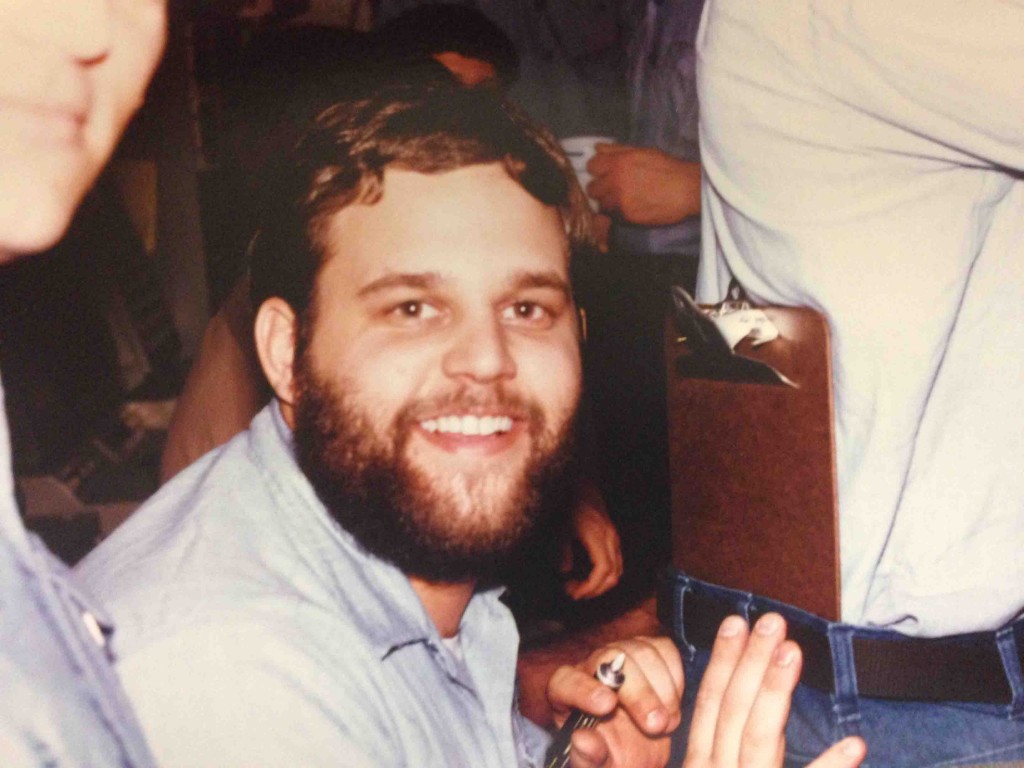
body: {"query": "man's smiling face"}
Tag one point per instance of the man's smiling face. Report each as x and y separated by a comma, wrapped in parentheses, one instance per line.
(441, 377)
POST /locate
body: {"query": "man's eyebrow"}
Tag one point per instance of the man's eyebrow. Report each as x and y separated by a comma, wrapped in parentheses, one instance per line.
(549, 279)
(421, 280)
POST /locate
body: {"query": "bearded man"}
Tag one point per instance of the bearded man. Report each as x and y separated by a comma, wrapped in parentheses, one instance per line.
(318, 591)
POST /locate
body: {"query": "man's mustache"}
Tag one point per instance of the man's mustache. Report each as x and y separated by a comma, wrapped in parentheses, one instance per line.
(493, 401)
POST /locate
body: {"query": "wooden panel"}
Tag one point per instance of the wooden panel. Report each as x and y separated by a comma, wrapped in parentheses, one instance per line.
(753, 470)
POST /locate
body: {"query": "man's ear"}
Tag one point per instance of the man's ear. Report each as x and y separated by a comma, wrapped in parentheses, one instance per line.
(274, 331)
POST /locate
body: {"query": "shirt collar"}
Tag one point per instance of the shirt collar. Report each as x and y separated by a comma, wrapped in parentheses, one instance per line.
(391, 615)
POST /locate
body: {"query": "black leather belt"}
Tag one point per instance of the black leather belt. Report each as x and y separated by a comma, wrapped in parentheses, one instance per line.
(966, 668)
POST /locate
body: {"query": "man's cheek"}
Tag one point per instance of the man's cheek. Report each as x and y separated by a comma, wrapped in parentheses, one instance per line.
(563, 383)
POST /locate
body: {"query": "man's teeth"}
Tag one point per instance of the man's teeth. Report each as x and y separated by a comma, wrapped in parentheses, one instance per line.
(468, 425)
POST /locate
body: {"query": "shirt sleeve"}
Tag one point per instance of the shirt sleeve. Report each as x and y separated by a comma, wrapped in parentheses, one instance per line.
(532, 739)
(222, 696)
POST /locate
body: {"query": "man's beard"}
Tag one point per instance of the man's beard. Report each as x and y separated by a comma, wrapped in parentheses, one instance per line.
(462, 528)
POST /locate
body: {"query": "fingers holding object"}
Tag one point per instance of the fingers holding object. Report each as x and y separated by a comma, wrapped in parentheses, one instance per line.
(653, 684)
(650, 693)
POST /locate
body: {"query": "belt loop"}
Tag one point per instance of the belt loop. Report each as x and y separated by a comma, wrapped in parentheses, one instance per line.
(1007, 641)
(746, 607)
(845, 704)
(680, 588)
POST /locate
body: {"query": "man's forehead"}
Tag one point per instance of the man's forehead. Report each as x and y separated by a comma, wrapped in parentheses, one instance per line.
(474, 220)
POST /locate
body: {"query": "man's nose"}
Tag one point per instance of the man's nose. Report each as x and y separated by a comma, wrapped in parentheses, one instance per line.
(82, 29)
(480, 352)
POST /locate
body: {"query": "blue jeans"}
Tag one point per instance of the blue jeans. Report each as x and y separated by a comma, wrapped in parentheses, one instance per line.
(898, 733)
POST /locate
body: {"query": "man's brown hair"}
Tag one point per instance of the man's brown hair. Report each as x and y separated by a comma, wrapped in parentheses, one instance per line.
(427, 127)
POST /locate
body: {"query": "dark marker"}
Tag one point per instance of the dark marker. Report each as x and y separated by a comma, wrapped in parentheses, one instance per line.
(609, 673)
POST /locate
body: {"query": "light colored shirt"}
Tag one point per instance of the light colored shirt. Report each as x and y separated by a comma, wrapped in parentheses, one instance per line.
(864, 158)
(664, 113)
(60, 702)
(254, 631)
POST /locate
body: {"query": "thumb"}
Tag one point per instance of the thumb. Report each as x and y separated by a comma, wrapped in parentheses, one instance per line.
(589, 750)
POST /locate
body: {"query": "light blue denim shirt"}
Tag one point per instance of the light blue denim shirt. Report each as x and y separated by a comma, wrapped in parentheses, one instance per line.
(60, 702)
(252, 630)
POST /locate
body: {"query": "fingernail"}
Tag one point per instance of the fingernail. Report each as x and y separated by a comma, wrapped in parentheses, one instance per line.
(768, 625)
(784, 656)
(731, 626)
(656, 720)
(603, 698)
(850, 746)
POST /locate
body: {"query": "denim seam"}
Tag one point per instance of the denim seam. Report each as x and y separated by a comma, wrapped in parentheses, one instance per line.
(746, 605)
(844, 671)
(679, 617)
(1006, 642)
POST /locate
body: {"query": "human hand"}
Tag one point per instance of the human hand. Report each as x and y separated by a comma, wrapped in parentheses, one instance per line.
(602, 232)
(644, 185)
(741, 709)
(638, 718)
(596, 532)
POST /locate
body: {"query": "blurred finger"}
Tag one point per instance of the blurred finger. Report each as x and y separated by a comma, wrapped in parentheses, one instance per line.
(589, 750)
(591, 586)
(605, 196)
(666, 648)
(565, 566)
(608, 583)
(615, 553)
(611, 562)
(571, 687)
(848, 753)
(599, 187)
(764, 739)
(608, 148)
(599, 164)
(653, 688)
(602, 230)
(725, 656)
(659, 662)
(613, 549)
(768, 633)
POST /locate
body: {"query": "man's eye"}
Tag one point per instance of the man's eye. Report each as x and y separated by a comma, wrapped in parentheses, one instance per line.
(529, 312)
(415, 310)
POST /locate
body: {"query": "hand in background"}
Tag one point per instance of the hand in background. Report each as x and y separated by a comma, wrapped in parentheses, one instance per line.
(596, 532)
(643, 185)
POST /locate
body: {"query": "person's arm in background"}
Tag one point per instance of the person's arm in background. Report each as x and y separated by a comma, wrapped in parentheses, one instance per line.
(644, 186)
(595, 531)
(224, 389)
